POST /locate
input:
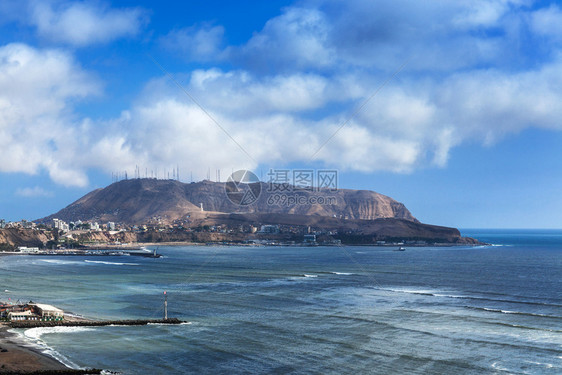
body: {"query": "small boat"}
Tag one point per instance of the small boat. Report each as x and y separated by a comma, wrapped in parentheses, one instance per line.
(146, 253)
(400, 249)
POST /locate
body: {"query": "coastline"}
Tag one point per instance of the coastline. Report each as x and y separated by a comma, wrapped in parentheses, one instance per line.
(20, 358)
(136, 245)
(202, 244)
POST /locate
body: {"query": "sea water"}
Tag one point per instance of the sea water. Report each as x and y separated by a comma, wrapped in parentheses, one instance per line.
(325, 310)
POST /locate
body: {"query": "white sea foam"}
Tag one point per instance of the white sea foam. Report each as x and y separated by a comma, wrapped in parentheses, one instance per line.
(36, 333)
(59, 261)
(425, 292)
(33, 336)
(518, 313)
(496, 366)
(500, 311)
(410, 291)
(61, 358)
(449, 295)
(111, 263)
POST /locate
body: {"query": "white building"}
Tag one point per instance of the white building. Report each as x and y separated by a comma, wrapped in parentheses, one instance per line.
(28, 250)
(270, 229)
(61, 225)
(20, 315)
(47, 312)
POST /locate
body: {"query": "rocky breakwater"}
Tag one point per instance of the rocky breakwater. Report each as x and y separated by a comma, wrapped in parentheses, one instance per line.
(91, 323)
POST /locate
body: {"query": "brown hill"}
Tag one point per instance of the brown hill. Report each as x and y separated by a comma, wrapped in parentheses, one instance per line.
(140, 200)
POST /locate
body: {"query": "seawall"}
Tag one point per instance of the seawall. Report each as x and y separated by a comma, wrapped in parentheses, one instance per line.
(91, 323)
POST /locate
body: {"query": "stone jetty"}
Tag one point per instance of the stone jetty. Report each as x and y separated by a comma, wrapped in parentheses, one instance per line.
(91, 323)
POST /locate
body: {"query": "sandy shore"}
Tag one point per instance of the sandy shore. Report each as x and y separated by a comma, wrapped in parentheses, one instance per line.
(15, 357)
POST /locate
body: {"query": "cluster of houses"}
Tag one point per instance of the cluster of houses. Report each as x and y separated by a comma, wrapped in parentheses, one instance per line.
(25, 224)
(60, 225)
(156, 225)
(77, 225)
(30, 311)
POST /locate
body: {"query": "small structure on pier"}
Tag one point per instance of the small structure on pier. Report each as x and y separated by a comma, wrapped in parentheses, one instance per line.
(21, 315)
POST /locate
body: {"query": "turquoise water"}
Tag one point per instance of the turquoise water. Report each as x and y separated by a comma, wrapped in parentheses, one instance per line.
(325, 310)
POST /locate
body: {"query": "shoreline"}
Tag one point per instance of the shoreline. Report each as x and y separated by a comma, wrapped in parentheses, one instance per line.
(22, 358)
(207, 244)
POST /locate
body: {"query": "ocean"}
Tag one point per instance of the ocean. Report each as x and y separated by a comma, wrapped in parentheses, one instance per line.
(308, 310)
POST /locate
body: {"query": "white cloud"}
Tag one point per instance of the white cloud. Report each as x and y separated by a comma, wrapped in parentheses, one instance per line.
(196, 43)
(296, 39)
(239, 92)
(484, 13)
(33, 192)
(36, 125)
(548, 22)
(84, 23)
(410, 125)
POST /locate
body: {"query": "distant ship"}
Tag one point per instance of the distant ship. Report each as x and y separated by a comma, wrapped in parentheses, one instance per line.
(146, 253)
(400, 249)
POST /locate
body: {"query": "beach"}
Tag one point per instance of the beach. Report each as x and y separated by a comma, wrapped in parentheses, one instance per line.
(17, 357)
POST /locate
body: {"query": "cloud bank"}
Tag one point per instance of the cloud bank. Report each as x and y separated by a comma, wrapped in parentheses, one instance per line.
(75, 23)
(476, 71)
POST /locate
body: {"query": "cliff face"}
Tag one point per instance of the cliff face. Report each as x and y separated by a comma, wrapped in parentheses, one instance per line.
(138, 201)
(24, 237)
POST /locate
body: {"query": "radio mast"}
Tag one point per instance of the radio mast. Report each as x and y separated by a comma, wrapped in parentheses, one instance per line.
(165, 306)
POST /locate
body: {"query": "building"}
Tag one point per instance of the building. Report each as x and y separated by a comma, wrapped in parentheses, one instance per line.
(60, 225)
(30, 311)
(309, 239)
(269, 229)
(47, 312)
(27, 224)
(28, 250)
(21, 315)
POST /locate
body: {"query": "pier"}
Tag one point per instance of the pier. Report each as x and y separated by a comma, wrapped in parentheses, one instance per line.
(90, 323)
(55, 372)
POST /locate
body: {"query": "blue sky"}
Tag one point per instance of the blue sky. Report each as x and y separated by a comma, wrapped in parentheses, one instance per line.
(466, 134)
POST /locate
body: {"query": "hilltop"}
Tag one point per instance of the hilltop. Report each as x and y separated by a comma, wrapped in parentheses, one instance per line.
(153, 210)
(139, 201)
